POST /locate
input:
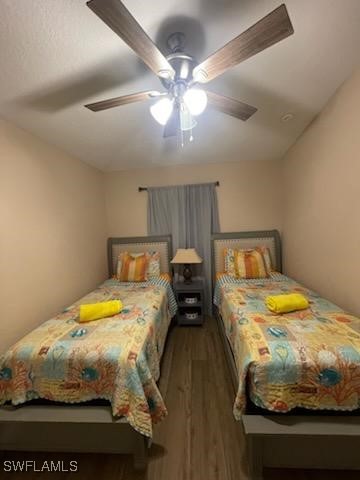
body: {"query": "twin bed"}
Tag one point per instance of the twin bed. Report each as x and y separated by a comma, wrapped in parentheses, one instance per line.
(296, 375)
(69, 386)
(97, 377)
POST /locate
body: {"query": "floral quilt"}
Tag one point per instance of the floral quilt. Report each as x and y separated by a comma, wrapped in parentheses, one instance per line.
(308, 358)
(114, 358)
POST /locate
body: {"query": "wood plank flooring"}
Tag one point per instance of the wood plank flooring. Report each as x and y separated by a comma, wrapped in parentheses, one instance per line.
(199, 440)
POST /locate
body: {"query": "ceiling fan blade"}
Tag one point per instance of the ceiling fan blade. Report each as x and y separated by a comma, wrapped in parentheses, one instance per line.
(230, 106)
(172, 125)
(119, 19)
(117, 101)
(266, 32)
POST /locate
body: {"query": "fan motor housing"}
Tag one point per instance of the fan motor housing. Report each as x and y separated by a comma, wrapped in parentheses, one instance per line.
(182, 63)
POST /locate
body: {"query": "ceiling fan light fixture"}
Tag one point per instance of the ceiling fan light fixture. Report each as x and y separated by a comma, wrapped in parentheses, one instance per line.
(196, 100)
(161, 110)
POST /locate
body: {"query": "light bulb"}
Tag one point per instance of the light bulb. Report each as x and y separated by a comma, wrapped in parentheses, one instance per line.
(196, 100)
(161, 110)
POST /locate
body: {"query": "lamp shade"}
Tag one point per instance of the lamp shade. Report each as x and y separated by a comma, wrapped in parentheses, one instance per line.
(162, 110)
(186, 255)
(196, 100)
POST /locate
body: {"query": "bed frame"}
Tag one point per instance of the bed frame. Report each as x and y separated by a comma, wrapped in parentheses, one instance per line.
(78, 428)
(290, 441)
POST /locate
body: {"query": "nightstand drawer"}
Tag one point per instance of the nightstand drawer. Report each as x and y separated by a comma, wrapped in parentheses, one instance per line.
(187, 318)
(190, 299)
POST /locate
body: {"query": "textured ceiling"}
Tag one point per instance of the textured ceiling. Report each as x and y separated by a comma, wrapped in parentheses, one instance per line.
(56, 56)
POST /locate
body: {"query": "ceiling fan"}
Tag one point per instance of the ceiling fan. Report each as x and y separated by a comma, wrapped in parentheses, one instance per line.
(180, 74)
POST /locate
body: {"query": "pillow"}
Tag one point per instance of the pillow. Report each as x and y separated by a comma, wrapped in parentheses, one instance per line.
(153, 265)
(153, 269)
(267, 257)
(229, 259)
(250, 264)
(133, 268)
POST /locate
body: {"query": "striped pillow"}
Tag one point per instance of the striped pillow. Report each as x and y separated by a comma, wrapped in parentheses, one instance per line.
(153, 263)
(267, 257)
(133, 269)
(250, 264)
(229, 259)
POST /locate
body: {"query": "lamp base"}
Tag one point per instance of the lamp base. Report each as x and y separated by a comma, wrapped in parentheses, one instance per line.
(187, 274)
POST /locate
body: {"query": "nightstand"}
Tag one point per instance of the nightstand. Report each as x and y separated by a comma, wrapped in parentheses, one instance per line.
(190, 300)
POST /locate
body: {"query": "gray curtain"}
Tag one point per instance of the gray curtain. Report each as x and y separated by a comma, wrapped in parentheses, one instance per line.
(190, 214)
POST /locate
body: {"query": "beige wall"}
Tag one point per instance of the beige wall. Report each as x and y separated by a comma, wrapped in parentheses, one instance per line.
(249, 196)
(52, 239)
(321, 228)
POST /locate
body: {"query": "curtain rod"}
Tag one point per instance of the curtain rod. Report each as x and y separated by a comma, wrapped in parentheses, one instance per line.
(144, 189)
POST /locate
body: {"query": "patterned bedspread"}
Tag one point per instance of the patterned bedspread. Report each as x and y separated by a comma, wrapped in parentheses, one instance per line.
(308, 358)
(114, 358)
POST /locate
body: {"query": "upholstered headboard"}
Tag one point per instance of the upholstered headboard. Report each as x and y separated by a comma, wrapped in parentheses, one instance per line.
(160, 244)
(268, 238)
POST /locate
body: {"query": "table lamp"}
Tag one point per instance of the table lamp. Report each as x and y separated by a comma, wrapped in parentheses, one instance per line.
(187, 257)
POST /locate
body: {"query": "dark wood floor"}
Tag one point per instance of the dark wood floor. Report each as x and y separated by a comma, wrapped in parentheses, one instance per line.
(199, 440)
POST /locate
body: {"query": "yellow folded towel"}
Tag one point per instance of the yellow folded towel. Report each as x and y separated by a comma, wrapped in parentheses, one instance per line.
(286, 303)
(94, 311)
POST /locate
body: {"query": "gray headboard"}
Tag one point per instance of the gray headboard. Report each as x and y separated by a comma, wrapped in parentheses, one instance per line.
(160, 244)
(268, 238)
